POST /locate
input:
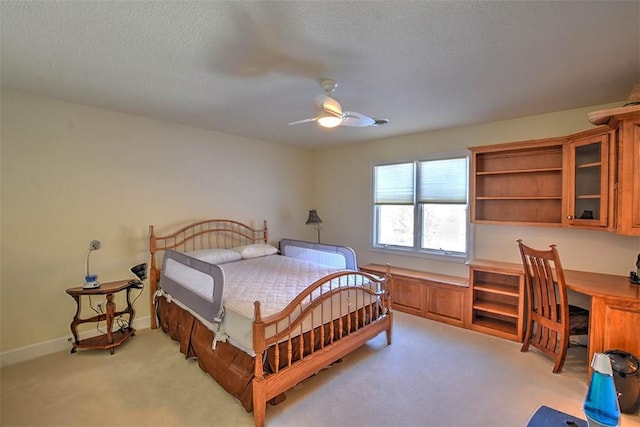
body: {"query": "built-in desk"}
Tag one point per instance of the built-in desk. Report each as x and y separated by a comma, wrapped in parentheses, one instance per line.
(614, 322)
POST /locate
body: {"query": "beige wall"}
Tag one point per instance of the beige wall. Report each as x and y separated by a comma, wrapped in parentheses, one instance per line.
(71, 174)
(343, 196)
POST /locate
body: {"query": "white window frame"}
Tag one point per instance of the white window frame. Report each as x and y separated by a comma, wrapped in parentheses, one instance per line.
(415, 250)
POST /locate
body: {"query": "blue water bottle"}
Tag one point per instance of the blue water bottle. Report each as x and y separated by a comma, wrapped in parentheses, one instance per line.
(601, 403)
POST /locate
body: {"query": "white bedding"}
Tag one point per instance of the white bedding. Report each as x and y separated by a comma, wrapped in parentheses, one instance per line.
(273, 280)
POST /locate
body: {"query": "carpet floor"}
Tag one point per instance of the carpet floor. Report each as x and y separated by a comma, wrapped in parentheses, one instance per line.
(432, 375)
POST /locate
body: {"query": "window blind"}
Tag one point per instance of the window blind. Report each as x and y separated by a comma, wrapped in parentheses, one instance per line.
(394, 184)
(443, 181)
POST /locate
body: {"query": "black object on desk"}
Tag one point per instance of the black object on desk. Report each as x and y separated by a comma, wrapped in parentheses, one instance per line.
(549, 417)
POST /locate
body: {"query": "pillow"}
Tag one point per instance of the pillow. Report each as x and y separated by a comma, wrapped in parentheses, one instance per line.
(256, 250)
(215, 256)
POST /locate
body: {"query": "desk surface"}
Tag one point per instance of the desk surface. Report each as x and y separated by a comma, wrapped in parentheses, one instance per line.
(584, 282)
(602, 285)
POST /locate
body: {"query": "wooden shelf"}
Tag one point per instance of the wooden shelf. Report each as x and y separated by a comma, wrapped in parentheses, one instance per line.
(496, 325)
(496, 307)
(589, 165)
(497, 288)
(519, 171)
(533, 211)
(497, 294)
(102, 342)
(520, 198)
(518, 183)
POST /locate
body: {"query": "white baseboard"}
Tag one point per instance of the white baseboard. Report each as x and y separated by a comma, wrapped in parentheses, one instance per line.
(56, 345)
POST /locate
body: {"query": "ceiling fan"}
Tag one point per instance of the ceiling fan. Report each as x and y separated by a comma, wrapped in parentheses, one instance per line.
(330, 112)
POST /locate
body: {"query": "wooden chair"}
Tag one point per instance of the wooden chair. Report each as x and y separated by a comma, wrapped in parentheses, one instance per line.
(550, 318)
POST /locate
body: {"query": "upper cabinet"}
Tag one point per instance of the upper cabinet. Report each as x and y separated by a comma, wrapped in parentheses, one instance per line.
(590, 177)
(586, 180)
(518, 183)
(629, 176)
(625, 122)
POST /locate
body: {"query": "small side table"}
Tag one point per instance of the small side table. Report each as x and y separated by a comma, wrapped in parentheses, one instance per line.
(110, 340)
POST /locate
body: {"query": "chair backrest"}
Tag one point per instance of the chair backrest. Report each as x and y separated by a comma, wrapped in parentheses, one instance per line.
(546, 288)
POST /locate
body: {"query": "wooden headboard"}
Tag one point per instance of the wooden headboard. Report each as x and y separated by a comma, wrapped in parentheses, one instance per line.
(208, 234)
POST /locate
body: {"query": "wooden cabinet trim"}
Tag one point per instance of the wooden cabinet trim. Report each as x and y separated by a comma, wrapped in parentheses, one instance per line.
(418, 274)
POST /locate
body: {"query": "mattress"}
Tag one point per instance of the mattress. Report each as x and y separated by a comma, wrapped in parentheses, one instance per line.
(273, 280)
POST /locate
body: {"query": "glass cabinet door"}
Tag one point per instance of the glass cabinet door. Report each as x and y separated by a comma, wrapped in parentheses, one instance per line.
(588, 191)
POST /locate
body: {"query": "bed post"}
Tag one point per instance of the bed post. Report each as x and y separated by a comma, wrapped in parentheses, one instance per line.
(266, 232)
(387, 303)
(153, 277)
(259, 387)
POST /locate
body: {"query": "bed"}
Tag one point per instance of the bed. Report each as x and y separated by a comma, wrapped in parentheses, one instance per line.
(261, 319)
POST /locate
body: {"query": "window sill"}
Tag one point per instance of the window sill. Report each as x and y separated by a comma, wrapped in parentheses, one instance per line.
(459, 259)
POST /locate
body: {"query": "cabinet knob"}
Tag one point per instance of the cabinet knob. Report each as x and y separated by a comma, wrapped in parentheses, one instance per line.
(569, 216)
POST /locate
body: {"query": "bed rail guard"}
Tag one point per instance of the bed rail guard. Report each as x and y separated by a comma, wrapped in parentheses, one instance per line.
(341, 257)
(178, 267)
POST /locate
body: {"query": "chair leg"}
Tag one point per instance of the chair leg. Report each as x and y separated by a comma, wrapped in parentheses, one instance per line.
(561, 354)
(527, 337)
(560, 360)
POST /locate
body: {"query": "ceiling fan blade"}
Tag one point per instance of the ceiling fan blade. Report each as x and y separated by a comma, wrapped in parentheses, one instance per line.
(329, 111)
(303, 121)
(327, 103)
(358, 120)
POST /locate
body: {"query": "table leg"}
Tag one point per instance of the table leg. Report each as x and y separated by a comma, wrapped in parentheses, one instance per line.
(111, 309)
(131, 311)
(74, 324)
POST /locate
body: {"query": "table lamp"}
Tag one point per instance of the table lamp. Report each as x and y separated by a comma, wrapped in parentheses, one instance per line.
(91, 280)
(314, 219)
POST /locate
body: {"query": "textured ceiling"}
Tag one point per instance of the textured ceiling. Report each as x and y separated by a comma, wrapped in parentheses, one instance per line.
(250, 68)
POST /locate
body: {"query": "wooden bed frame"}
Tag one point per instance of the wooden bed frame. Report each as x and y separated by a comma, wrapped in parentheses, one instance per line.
(290, 358)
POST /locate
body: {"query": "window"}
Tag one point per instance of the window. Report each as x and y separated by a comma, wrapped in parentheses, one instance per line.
(422, 206)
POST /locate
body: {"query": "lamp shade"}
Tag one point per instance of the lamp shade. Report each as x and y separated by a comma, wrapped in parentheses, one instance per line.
(313, 217)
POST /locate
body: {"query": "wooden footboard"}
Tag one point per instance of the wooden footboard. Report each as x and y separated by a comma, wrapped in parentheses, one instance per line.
(359, 305)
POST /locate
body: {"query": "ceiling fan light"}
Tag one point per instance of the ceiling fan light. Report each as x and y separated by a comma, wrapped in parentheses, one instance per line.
(329, 120)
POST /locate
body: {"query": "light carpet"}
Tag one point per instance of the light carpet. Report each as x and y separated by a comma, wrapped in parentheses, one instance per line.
(432, 375)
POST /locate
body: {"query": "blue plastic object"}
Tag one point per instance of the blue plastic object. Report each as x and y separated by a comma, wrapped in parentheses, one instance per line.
(601, 402)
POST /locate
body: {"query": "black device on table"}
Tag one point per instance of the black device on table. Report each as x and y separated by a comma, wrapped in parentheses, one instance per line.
(140, 271)
(634, 276)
